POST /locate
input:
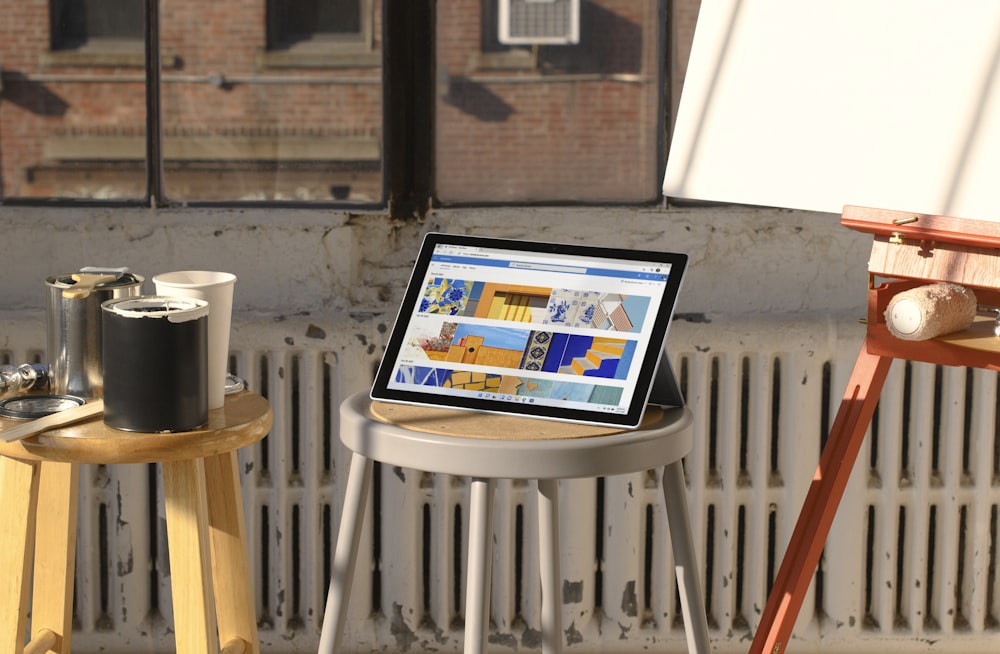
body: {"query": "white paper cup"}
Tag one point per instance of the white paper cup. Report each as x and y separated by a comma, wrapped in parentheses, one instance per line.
(217, 289)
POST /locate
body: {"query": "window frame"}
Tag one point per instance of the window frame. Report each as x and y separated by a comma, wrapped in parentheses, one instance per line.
(404, 194)
(408, 60)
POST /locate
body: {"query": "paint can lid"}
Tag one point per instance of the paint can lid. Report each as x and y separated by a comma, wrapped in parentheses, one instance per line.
(30, 407)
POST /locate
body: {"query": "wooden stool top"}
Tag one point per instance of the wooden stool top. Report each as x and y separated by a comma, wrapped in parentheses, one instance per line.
(246, 418)
(474, 424)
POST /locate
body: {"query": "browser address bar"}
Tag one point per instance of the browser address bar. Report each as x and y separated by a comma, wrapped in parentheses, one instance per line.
(547, 266)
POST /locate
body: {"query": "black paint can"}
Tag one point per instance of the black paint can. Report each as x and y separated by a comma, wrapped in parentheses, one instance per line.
(155, 360)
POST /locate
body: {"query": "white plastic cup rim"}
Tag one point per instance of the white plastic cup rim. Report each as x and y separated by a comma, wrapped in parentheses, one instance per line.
(194, 278)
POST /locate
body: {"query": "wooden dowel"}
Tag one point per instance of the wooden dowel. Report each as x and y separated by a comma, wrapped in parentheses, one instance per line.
(43, 641)
(235, 646)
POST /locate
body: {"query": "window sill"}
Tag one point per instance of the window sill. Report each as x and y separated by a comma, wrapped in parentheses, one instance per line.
(105, 58)
(509, 60)
(318, 58)
(213, 148)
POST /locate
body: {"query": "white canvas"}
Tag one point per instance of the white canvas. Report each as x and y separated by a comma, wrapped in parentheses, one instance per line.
(806, 104)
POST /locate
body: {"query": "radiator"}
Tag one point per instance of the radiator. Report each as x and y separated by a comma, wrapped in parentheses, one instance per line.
(910, 564)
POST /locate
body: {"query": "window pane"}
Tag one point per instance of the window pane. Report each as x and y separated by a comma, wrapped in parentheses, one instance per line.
(244, 123)
(72, 122)
(75, 23)
(539, 123)
(294, 21)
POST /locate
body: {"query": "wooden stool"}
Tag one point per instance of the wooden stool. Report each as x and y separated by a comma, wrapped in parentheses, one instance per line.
(487, 447)
(206, 532)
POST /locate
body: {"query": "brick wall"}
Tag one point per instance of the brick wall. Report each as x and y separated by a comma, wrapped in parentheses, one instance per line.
(583, 123)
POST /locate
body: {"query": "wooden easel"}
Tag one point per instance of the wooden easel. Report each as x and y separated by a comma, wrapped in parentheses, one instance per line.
(909, 250)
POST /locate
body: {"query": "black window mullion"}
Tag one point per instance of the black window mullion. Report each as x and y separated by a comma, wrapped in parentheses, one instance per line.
(154, 125)
(408, 74)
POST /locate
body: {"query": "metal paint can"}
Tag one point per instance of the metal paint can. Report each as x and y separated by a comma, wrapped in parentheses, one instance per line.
(155, 352)
(73, 325)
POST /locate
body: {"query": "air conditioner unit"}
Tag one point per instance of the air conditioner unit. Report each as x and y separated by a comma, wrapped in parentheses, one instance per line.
(546, 22)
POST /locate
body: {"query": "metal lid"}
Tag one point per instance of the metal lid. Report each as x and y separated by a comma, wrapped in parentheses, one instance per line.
(121, 278)
(29, 407)
(234, 384)
(175, 309)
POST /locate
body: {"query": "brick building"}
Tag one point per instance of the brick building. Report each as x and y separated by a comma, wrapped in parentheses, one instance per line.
(277, 100)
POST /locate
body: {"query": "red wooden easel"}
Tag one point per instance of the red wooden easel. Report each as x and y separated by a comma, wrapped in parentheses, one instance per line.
(909, 250)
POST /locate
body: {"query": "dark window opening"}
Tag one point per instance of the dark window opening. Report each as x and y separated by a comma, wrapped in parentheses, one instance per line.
(76, 24)
(291, 22)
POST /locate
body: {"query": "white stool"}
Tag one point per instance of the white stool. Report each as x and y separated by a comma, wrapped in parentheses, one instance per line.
(487, 447)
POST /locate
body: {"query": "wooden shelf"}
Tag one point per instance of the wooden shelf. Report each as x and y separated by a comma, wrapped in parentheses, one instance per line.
(979, 336)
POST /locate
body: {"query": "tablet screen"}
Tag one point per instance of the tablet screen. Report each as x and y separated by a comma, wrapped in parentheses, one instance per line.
(565, 332)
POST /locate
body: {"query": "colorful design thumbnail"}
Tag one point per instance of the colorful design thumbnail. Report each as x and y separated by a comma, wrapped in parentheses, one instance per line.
(509, 385)
(445, 296)
(582, 355)
(538, 304)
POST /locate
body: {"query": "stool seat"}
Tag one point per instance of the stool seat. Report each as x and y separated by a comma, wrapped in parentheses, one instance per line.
(510, 447)
(487, 447)
(206, 532)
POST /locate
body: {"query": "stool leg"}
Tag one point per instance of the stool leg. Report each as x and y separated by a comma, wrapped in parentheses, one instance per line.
(55, 553)
(480, 566)
(359, 481)
(186, 504)
(19, 499)
(686, 561)
(548, 546)
(231, 575)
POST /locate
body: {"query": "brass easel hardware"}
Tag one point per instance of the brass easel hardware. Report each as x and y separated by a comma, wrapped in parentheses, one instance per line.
(898, 238)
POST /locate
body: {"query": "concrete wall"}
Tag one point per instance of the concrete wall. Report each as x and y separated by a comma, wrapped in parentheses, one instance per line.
(325, 263)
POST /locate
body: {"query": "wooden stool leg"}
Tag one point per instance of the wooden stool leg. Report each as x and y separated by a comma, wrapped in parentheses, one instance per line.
(480, 567)
(359, 481)
(820, 506)
(55, 553)
(685, 559)
(231, 575)
(19, 499)
(186, 503)
(548, 547)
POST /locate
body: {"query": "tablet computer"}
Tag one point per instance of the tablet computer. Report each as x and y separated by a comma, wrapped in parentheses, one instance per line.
(558, 331)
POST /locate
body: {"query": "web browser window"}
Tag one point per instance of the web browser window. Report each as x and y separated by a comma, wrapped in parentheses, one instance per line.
(543, 329)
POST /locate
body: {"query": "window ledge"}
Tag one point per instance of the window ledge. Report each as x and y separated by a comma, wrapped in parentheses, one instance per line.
(318, 58)
(110, 58)
(509, 60)
(214, 148)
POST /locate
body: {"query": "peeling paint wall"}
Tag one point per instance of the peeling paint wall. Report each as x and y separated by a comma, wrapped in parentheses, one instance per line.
(311, 262)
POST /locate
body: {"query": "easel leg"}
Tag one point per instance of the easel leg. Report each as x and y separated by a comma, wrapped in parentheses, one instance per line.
(822, 500)
(548, 547)
(359, 480)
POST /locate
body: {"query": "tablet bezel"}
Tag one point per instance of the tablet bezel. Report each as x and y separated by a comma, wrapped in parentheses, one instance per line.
(650, 364)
